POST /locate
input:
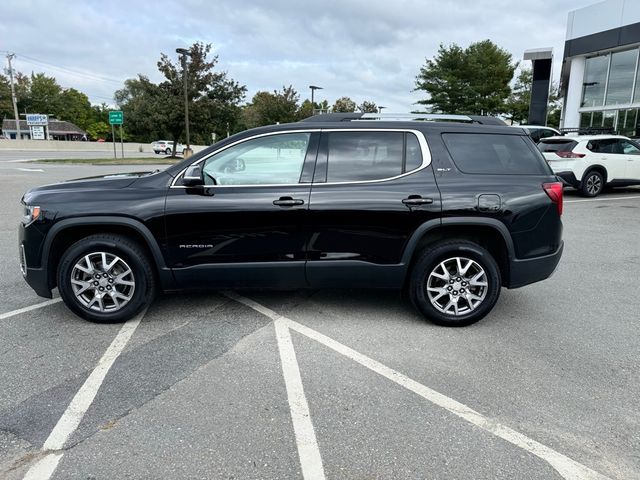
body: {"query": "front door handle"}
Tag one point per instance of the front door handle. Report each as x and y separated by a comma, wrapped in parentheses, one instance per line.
(417, 200)
(288, 202)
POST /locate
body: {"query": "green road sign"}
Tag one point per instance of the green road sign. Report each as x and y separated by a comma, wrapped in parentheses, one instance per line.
(116, 118)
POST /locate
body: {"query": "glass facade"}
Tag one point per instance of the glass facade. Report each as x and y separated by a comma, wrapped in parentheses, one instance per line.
(621, 75)
(612, 81)
(595, 78)
(625, 121)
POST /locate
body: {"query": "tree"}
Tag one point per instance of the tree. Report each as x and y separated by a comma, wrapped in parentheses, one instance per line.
(368, 107)
(98, 130)
(74, 106)
(474, 80)
(6, 105)
(344, 105)
(157, 110)
(44, 95)
(517, 106)
(267, 108)
(305, 110)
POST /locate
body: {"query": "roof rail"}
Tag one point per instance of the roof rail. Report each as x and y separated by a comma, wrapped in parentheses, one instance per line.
(334, 117)
(407, 117)
(589, 131)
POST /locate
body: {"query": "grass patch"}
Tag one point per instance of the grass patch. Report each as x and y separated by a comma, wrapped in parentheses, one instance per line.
(114, 161)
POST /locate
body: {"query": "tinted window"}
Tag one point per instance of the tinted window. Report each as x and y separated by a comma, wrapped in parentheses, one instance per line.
(414, 153)
(534, 133)
(547, 133)
(493, 154)
(607, 145)
(357, 156)
(274, 159)
(556, 145)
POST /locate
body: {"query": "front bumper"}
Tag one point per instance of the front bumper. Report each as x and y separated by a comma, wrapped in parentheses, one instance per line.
(38, 279)
(30, 242)
(524, 272)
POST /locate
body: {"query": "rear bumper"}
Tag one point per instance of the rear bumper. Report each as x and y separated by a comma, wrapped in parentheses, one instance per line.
(524, 272)
(568, 178)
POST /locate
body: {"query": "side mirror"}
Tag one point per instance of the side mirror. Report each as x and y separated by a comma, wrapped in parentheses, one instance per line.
(193, 176)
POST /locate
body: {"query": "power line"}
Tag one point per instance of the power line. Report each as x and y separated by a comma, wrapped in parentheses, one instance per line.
(69, 71)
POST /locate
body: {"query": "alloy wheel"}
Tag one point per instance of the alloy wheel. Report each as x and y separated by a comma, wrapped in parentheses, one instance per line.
(457, 286)
(102, 282)
(594, 184)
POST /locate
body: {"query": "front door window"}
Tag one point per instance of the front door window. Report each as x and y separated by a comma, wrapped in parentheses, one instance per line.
(268, 160)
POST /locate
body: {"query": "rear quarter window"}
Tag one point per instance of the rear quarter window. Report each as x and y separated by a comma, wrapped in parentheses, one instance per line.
(494, 154)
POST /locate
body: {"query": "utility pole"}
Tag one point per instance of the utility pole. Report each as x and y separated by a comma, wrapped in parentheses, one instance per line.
(184, 52)
(10, 56)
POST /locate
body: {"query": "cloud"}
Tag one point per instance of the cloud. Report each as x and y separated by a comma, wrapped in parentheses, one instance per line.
(369, 49)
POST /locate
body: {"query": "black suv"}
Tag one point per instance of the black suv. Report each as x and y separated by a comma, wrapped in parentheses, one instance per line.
(449, 210)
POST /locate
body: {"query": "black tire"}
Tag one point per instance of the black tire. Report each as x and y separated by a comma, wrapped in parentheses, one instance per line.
(592, 184)
(133, 256)
(430, 260)
(168, 151)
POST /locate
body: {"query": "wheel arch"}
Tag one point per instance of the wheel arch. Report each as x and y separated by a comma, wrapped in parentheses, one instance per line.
(66, 232)
(489, 233)
(597, 167)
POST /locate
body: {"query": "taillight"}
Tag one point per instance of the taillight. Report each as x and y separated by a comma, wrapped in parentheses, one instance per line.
(554, 190)
(569, 155)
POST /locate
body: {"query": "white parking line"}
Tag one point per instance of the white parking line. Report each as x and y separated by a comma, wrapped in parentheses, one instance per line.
(30, 169)
(28, 309)
(565, 466)
(308, 449)
(605, 199)
(74, 413)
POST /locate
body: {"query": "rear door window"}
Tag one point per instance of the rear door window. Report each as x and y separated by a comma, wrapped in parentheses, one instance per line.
(494, 154)
(606, 145)
(359, 156)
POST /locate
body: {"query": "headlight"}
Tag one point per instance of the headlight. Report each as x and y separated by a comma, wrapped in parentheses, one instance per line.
(31, 214)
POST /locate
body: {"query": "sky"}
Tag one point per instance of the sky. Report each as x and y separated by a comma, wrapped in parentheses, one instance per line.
(363, 49)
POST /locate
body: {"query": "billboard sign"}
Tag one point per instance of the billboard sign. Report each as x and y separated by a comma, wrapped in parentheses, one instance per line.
(37, 119)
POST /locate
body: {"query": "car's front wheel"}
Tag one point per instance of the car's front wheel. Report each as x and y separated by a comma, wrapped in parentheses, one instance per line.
(455, 283)
(106, 278)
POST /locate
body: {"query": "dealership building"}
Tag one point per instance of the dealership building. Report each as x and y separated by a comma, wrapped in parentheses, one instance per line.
(600, 80)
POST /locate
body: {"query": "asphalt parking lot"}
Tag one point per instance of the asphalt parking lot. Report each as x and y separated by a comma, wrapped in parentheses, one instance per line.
(337, 384)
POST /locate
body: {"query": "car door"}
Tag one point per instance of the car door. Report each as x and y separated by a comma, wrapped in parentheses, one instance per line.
(608, 153)
(371, 191)
(246, 226)
(632, 154)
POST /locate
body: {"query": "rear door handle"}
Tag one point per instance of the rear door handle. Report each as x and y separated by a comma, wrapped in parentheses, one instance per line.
(417, 200)
(288, 202)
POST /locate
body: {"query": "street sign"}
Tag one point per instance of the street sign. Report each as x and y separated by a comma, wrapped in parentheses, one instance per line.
(116, 117)
(37, 119)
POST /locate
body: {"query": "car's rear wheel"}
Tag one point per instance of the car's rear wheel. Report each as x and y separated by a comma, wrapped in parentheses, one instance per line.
(106, 278)
(455, 283)
(168, 151)
(592, 184)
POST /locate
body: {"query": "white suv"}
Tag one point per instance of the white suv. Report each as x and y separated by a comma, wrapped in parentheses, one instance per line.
(166, 146)
(591, 162)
